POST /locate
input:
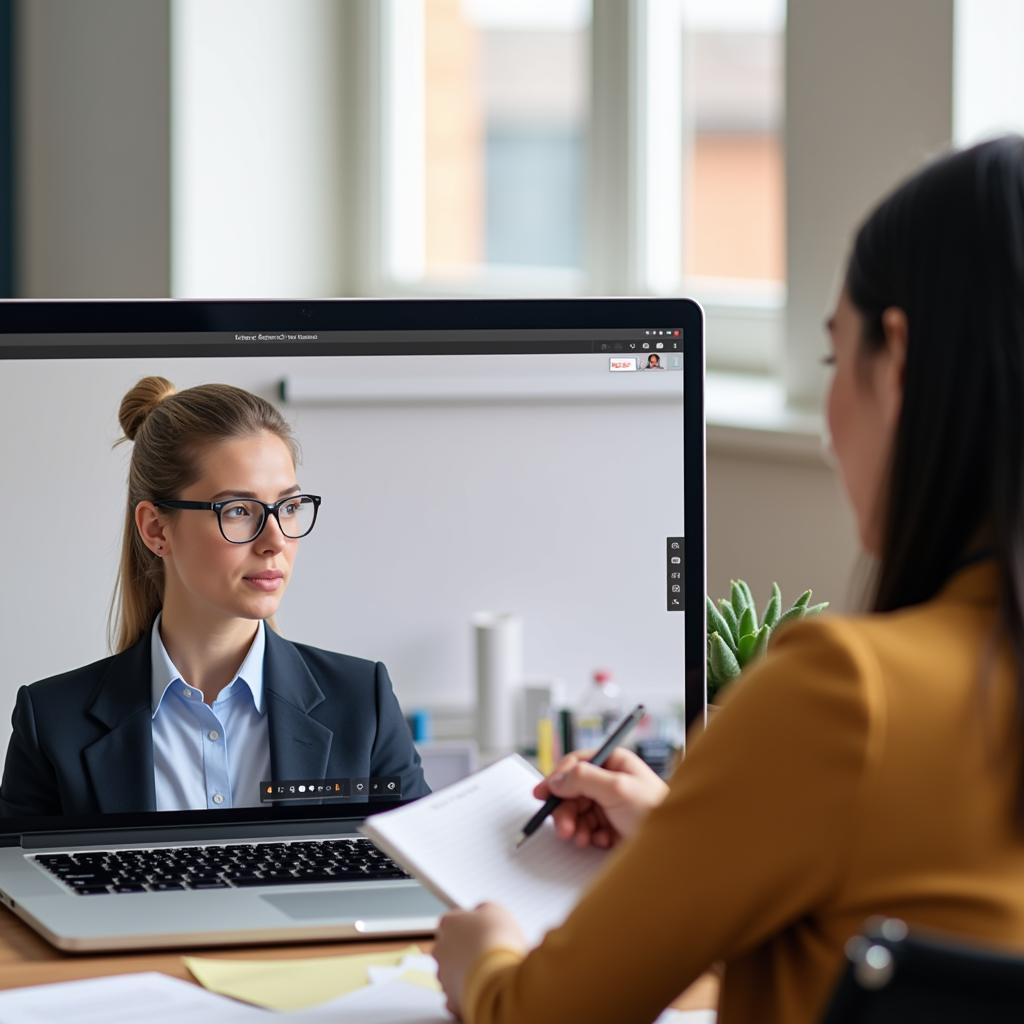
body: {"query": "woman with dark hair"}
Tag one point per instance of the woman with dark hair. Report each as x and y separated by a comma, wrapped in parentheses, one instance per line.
(869, 764)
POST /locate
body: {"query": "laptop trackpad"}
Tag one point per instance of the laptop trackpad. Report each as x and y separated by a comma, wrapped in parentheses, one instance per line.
(358, 904)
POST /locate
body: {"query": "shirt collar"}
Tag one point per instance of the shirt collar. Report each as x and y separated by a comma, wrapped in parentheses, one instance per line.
(164, 674)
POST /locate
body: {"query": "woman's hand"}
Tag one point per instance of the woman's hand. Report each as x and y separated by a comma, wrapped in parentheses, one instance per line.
(600, 806)
(463, 936)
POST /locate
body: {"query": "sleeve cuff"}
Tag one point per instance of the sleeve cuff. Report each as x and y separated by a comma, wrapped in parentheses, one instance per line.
(485, 972)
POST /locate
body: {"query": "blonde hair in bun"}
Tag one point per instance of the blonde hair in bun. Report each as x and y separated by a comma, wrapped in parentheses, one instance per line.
(140, 402)
(169, 430)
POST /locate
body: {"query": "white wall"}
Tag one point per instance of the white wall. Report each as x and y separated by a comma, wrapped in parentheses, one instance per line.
(988, 95)
(780, 518)
(93, 159)
(869, 97)
(259, 139)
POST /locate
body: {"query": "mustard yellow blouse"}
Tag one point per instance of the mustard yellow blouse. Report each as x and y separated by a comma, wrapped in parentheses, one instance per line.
(862, 768)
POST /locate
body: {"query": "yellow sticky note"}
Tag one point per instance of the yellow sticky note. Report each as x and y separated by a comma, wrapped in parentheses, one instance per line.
(291, 984)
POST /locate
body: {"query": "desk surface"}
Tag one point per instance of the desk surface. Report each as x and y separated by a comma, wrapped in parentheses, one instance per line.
(27, 959)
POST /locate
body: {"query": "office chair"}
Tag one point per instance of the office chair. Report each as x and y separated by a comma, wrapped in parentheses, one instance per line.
(893, 976)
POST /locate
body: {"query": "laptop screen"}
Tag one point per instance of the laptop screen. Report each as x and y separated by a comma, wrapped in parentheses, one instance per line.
(244, 562)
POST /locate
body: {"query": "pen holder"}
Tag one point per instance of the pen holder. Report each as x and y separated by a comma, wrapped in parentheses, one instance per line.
(498, 639)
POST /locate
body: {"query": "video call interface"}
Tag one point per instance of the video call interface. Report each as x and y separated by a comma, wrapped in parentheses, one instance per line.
(259, 634)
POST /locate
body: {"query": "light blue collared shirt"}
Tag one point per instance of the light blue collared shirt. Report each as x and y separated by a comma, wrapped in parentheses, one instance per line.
(208, 756)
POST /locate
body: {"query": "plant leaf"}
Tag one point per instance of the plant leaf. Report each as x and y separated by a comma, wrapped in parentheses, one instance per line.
(745, 650)
(738, 597)
(751, 603)
(774, 607)
(801, 601)
(764, 634)
(730, 616)
(816, 609)
(718, 624)
(713, 681)
(748, 622)
(723, 661)
(714, 685)
(794, 613)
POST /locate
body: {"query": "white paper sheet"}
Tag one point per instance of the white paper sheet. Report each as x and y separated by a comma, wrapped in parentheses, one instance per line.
(124, 999)
(687, 1017)
(387, 1002)
(461, 843)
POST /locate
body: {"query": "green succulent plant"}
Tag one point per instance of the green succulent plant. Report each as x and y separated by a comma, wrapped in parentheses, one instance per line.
(736, 638)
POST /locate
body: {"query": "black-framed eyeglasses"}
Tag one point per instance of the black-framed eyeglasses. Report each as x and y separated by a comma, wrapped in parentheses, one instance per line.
(242, 520)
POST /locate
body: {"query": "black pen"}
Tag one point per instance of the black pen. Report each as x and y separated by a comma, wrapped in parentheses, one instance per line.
(618, 734)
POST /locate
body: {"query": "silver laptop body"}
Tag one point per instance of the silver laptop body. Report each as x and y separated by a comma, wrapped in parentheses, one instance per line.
(149, 920)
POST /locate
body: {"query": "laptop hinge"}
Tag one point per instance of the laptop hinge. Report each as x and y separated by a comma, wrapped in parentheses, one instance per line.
(184, 834)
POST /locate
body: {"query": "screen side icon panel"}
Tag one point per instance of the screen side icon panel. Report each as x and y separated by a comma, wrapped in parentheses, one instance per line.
(674, 574)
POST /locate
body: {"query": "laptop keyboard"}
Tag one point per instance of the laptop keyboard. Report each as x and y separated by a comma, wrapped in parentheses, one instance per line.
(241, 866)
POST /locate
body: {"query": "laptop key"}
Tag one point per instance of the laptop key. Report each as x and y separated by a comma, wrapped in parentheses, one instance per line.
(250, 881)
(91, 890)
(243, 881)
(165, 886)
(129, 887)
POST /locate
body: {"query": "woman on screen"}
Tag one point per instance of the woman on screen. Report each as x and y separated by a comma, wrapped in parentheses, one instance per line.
(204, 705)
(869, 764)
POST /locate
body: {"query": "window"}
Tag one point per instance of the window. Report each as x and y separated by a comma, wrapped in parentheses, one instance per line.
(733, 218)
(549, 146)
(506, 91)
(486, 105)
(733, 215)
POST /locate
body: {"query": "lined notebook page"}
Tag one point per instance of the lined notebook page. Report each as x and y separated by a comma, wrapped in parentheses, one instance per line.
(460, 842)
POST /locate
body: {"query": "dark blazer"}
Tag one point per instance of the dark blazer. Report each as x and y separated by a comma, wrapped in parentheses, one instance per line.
(83, 741)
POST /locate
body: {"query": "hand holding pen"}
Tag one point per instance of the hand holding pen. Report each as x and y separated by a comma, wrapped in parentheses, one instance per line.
(601, 805)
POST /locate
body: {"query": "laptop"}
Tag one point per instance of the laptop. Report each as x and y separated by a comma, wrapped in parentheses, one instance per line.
(540, 458)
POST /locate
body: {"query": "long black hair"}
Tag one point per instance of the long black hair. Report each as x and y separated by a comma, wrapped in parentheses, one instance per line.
(947, 247)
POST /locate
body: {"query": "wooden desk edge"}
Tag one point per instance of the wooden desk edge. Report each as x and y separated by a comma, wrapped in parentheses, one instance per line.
(27, 959)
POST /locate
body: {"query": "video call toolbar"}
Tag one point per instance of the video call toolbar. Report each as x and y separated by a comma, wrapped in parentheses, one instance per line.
(387, 787)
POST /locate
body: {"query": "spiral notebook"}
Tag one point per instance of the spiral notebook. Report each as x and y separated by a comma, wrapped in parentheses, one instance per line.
(460, 843)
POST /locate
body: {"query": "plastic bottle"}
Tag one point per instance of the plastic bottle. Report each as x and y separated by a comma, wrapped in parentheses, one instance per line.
(598, 711)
